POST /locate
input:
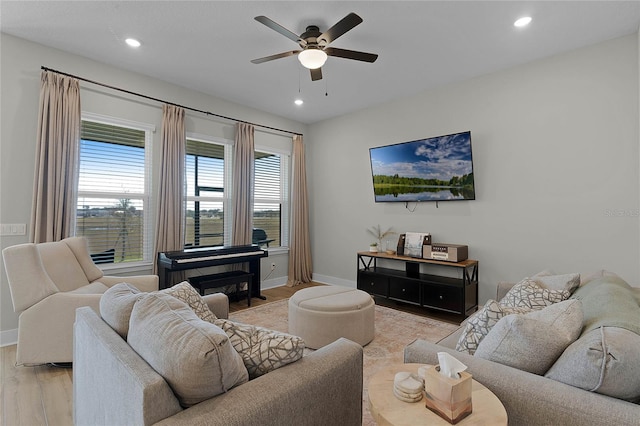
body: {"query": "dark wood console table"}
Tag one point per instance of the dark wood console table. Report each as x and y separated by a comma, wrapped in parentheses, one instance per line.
(457, 295)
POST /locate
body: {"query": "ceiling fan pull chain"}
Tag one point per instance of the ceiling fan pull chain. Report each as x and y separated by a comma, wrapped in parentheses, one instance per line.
(326, 87)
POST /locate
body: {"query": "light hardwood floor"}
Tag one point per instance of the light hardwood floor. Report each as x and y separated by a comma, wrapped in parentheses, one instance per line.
(43, 395)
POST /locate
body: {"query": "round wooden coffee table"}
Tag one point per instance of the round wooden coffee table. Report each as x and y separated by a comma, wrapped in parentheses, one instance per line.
(386, 409)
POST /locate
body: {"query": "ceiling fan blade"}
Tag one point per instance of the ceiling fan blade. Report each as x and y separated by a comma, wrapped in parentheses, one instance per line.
(276, 56)
(278, 28)
(316, 74)
(351, 54)
(344, 25)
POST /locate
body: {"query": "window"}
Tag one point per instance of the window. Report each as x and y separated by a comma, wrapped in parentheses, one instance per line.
(271, 199)
(207, 221)
(113, 203)
(208, 176)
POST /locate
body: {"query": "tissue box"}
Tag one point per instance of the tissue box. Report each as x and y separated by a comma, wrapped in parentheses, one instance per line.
(447, 397)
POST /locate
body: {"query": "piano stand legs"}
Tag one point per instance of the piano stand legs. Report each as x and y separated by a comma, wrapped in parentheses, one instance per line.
(204, 282)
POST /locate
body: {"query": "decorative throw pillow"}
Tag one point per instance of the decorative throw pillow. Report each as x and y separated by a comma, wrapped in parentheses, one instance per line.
(194, 356)
(545, 273)
(600, 273)
(529, 294)
(262, 350)
(189, 295)
(609, 302)
(480, 323)
(568, 282)
(605, 360)
(116, 305)
(532, 342)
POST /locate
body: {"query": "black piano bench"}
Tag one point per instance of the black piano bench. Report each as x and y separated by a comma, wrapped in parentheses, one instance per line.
(203, 282)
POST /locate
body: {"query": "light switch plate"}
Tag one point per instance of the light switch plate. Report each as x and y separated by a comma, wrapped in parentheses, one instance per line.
(13, 229)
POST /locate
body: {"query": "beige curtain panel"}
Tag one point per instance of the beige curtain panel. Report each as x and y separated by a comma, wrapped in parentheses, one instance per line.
(243, 175)
(59, 119)
(300, 266)
(170, 207)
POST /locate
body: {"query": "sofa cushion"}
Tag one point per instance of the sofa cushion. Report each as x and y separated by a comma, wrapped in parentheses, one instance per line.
(606, 357)
(480, 323)
(533, 341)
(116, 305)
(609, 301)
(529, 294)
(586, 278)
(194, 356)
(62, 266)
(605, 360)
(189, 295)
(262, 350)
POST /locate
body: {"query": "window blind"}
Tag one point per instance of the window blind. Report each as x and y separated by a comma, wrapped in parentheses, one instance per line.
(269, 199)
(112, 192)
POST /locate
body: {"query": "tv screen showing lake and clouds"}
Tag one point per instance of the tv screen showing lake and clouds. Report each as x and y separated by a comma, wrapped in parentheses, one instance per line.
(433, 169)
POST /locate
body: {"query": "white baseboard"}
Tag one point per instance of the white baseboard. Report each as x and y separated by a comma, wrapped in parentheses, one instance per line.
(8, 337)
(274, 282)
(322, 279)
(326, 279)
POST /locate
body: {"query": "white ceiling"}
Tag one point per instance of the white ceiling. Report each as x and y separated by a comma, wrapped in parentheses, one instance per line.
(207, 45)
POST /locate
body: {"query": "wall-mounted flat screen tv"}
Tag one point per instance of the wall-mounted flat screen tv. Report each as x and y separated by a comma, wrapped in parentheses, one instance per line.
(432, 169)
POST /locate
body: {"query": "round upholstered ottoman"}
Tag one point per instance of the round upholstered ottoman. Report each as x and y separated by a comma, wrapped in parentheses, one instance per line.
(321, 315)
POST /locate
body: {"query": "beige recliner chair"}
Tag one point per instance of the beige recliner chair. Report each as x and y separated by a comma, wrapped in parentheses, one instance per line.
(48, 281)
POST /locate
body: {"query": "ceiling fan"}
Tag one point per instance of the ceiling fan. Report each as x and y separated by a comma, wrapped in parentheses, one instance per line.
(315, 45)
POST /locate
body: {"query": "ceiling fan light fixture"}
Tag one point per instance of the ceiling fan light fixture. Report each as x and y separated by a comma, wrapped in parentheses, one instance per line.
(132, 42)
(312, 58)
(522, 22)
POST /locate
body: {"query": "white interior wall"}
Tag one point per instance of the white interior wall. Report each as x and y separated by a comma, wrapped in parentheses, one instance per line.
(556, 163)
(20, 85)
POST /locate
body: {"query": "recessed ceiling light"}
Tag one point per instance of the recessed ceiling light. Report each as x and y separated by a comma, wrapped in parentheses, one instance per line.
(522, 22)
(298, 102)
(132, 42)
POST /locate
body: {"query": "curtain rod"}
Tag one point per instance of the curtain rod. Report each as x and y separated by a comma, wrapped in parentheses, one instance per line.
(165, 102)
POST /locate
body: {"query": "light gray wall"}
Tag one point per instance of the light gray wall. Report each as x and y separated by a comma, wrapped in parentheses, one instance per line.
(20, 85)
(556, 162)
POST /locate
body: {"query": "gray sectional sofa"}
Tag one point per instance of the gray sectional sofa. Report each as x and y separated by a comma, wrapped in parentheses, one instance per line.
(532, 399)
(113, 385)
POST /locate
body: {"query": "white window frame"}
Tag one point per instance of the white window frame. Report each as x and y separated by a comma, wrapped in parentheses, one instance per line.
(227, 182)
(148, 207)
(285, 193)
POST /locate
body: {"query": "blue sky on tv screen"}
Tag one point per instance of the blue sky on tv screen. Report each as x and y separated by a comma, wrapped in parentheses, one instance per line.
(434, 158)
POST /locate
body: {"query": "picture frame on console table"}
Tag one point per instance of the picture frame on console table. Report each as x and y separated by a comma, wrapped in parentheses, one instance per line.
(413, 243)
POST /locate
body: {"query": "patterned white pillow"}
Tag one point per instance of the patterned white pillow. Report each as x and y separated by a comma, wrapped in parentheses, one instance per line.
(480, 323)
(189, 295)
(529, 294)
(261, 349)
